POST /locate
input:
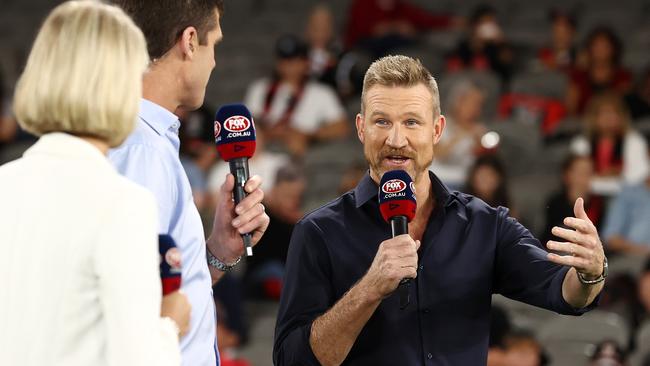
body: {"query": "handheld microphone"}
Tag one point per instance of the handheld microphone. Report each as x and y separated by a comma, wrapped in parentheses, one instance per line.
(397, 206)
(234, 133)
(170, 264)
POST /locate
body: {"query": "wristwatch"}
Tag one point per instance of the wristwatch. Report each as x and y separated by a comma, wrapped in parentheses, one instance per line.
(216, 263)
(599, 279)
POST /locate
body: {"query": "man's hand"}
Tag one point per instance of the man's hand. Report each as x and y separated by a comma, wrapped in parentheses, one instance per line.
(397, 258)
(230, 222)
(583, 245)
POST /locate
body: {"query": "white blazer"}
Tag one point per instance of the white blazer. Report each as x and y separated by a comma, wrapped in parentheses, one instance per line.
(79, 279)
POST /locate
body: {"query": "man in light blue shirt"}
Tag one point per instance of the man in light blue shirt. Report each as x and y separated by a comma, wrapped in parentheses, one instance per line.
(181, 36)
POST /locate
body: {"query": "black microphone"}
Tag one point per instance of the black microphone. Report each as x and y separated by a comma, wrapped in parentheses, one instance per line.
(397, 205)
(234, 133)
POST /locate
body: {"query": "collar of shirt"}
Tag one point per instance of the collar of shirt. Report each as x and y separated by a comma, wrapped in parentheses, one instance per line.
(68, 146)
(367, 189)
(158, 118)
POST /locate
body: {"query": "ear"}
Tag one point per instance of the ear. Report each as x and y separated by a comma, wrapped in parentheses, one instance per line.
(438, 128)
(359, 122)
(189, 42)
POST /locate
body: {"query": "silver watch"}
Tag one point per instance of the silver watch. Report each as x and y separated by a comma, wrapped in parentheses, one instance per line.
(216, 263)
(600, 278)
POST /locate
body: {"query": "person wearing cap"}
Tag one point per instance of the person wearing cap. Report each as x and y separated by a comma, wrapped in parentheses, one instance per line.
(292, 109)
(338, 304)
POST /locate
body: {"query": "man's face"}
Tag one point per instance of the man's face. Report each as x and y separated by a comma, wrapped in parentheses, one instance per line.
(203, 63)
(398, 129)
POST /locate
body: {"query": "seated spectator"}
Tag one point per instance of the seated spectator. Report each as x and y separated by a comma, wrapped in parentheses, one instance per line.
(618, 152)
(459, 145)
(560, 54)
(324, 46)
(265, 270)
(520, 348)
(485, 47)
(577, 172)
(599, 70)
(380, 26)
(638, 101)
(291, 109)
(264, 163)
(487, 180)
(198, 152)
(627, 228)
(608, 353)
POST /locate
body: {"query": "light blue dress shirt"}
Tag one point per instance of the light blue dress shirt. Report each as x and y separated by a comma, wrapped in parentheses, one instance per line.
(150, 158)
(629, 215)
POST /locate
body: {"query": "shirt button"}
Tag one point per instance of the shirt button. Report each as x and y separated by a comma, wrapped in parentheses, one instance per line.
(421, 267)
(429, 356)
(426, 311)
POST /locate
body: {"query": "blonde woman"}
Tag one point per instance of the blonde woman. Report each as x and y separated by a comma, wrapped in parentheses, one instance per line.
(618, 152)
(80, 282)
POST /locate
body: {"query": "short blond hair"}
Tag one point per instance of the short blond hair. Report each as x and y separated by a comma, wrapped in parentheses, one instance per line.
(84, 74)
(400, 71)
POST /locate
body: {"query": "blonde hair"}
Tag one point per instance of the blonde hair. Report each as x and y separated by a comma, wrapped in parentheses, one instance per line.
(84, 74)
(607, 98)
(400, 71)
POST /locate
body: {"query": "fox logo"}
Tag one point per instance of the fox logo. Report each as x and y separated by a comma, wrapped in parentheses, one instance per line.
(393, 186)
(237, 124)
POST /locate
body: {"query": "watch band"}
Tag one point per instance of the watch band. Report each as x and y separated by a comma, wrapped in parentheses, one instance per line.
(599, 279)
(216, 263)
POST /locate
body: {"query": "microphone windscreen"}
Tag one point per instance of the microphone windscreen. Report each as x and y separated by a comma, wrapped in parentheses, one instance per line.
(397, 195)
(234, 132)
(170, 264)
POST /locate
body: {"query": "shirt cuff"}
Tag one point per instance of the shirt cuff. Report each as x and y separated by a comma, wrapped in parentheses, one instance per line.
(559, 303)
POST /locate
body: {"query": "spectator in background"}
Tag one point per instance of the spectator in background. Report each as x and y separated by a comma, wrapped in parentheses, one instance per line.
(627, 225)
(324, 46)
(638, 101)
(380, 26)
(577, 172)
(265, 270)
(520, 348)
(487, 180)
(599, 69)
(485, 47)
(264, 163)
(291, 109)
(198, 152)
(618, 152)
(459, 145)
(560, 54)
(608, 353)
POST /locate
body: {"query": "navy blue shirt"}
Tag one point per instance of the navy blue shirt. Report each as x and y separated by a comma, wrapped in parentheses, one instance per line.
(469, 251)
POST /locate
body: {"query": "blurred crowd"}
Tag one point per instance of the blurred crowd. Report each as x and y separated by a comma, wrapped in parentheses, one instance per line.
(573, 101)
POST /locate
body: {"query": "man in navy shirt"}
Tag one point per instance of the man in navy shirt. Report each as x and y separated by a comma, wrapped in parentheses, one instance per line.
(338, 305)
